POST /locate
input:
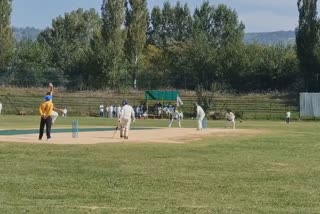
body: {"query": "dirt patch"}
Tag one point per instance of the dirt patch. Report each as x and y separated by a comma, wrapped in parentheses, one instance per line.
(161, 135)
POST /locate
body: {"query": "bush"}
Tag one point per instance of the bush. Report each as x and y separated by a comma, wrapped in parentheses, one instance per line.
(239, 114)
(216, 115)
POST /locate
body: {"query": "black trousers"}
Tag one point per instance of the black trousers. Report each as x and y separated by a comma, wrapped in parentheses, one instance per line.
(45, 122)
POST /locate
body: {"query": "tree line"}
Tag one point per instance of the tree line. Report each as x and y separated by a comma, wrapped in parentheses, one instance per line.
(126, 46)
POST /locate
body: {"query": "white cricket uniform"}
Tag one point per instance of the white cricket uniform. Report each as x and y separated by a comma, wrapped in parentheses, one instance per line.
(0, 107)
(118, 111)
(64, 112)
(231, 118)
(288, 115)
(175, 115)
(200, 116)
(101, 110)
(110, 111)
(126, 114)
(54, 115)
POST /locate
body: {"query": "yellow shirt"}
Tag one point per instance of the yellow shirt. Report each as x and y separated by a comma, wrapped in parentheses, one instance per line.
(46, 109)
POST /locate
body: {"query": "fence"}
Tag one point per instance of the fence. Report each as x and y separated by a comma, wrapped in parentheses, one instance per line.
(246, 107)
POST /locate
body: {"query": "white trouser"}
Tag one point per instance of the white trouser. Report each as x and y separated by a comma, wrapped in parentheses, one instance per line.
(200, 118)
(54, 116)
(125, 126)
(233, 123)
(173, 120)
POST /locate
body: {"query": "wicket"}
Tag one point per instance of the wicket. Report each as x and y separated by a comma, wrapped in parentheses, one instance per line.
(75, 129)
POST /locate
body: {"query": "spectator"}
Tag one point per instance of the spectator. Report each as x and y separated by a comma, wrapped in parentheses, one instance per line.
(101, 107)
(110, 111)
(118, 111)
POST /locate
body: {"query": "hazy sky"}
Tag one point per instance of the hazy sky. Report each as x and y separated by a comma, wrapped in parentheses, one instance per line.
(258, 15)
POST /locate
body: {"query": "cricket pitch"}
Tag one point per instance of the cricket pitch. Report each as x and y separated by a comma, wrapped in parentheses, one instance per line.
(157, 135)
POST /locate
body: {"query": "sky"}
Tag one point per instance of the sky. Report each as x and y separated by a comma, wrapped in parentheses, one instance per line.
(257, 15)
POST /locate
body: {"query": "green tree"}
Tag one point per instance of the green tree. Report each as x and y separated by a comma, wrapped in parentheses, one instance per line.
(170, 24)
(154, 37)
(113, 17)
(307, 40)
(6, 39)
(69, 43)
(30, 65)
(182, 27)
(137, 25)
(216, 44)
(155, 74)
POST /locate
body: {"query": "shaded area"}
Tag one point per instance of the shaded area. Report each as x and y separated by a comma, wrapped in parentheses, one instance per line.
(61, 130)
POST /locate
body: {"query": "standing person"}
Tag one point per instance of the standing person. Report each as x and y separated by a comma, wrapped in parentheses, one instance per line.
(138, 112)
(118, 111)
(175, 114)
(288, 115)
(54, 114)
(64, 112)
(110, 111)
(101, 110)
(127, 113)
(45, 110)
(230, 118)
(200, 116)
(114, 111)
(0, 107)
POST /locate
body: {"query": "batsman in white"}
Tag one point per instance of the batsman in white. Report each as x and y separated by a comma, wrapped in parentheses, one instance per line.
(127, 113)
(230, 118)
(175, 114)
(200, 116)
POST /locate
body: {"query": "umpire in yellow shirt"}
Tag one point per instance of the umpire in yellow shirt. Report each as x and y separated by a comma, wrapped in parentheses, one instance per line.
(45, 110)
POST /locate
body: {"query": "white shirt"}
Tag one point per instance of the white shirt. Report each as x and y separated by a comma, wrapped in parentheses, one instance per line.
(101, 108)
(175, 115)
(127, 112)
(119, 109)
(200, 111)
(288, 114)
(230, 116)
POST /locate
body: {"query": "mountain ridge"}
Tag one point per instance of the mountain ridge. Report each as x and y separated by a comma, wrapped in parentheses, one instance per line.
(265, 38)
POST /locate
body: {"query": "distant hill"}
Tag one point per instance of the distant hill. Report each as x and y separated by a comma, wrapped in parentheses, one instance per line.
(267, 38)
(27, 33)
(271, 38)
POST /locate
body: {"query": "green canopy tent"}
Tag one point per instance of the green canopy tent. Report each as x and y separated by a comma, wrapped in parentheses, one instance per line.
(161, 95)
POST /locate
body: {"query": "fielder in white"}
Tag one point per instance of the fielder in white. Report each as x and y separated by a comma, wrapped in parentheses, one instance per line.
(54, 114)
(175, 114)
(230, 118)
(288, 115)
(200, 116)
(126, 114)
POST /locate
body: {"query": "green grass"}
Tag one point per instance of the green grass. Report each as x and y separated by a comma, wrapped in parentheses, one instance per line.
(276, 172)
